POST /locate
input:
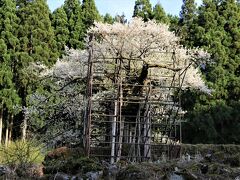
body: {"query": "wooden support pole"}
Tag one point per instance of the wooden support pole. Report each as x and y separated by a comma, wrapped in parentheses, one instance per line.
(87, 129)
(114, 126)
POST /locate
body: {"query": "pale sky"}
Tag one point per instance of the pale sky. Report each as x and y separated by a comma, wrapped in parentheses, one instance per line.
(115, 7)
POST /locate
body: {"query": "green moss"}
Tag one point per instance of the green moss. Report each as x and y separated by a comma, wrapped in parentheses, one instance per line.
(71, 164)
(88, 164)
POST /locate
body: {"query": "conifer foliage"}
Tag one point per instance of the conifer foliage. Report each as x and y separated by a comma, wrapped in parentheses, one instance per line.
(108, 19)
(159, 14)
(9, 98)
(61, 31)
(187, 20)
(71, 22)
(216, 29)
(36, 44)
(73, 10)
(90, 13)
(143, 9)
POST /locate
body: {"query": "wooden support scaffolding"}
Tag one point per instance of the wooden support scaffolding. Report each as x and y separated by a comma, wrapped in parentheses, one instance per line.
(134, 116)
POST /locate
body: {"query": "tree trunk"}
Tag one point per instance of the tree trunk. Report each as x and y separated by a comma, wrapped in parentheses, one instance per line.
(1, 123)
(6, 134)
(24, 129)
(10, 129)
(23, 95)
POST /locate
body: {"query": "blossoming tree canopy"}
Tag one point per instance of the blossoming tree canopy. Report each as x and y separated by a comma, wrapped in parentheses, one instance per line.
(139, 43)
(149, 44)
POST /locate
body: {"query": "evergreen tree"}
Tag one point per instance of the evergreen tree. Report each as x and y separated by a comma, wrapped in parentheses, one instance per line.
(188, 21)
(120, 19)
(8, 44)
(22, 3)
(90, 13)
(108, 19)
(35, 32)
(173, 23)
(217, 31)
(143, 9)
(37, 45)
(159, 14)
(60, 24)
(188, 11)
(76, 27)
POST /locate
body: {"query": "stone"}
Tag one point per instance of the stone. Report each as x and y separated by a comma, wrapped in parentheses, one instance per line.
(94, 175)
(4, 170)
(62, 176)
(176, 177)
(77, 177)
(237, 178)
(198, 157)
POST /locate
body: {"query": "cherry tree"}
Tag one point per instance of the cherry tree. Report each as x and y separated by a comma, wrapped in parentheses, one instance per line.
(147, 43)
(55, 109)
(138, 53)
(145, 51)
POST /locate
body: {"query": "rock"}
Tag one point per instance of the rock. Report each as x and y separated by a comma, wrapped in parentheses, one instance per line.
(176, 169)
(94, 175)
(4, 170)
(105, 164)
(77, 177)
(198, 158)
(237, 178)
(110, 170)
(113, 169)
(61, 176)
(176, 177)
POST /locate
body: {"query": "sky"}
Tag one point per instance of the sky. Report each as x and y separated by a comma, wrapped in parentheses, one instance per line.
(115, 7)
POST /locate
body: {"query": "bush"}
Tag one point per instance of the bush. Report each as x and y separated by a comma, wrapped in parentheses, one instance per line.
(21, 154)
